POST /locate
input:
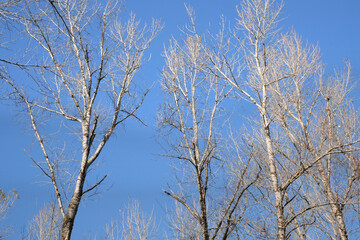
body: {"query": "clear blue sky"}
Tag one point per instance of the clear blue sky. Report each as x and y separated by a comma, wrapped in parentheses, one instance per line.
(135, 171)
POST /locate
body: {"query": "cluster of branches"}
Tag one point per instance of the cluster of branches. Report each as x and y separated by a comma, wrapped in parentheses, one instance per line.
(6, 202)
(292, 171)
(79, 75)
(132, 224)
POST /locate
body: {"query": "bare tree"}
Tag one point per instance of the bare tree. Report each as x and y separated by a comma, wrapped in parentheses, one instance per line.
(82, 66)
(6, 202)
(135, 224)
(258, 19)
(336, 175)
(307, 117)
(192, 125)
(46, 225)
(283, 80)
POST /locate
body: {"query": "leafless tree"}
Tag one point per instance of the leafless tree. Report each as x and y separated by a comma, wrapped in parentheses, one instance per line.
(282, 77)
(258, 19)
(46, 225)
(336, 175)
(134, 224)
(80, 68)
(6, 202)
(192, 124)
(307, 109)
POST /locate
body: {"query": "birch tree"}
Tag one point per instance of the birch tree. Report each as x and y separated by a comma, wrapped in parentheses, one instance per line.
(258, 19)
(191, 122)
(81, 66)
(281, 76)
(336, 175)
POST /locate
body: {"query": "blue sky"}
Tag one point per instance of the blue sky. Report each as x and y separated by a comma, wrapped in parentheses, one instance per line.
(135, 170)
